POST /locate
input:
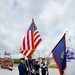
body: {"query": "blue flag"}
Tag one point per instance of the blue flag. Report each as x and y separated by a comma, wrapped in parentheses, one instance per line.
(59, 55)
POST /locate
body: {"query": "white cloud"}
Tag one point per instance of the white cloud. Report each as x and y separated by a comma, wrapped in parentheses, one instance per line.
(52, 19)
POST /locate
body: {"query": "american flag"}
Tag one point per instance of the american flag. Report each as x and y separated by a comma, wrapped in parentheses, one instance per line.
(30, 41)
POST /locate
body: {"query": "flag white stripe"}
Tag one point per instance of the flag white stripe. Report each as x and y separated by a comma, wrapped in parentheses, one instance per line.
(26, 42)
(37, 40)
(36, 35)
(30, 40)
(24, 52)
(28, 53)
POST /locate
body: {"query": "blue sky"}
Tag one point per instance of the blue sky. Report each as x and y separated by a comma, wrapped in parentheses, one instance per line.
(52, 18)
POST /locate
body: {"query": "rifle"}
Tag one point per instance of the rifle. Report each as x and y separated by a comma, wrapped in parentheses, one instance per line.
(28, 66)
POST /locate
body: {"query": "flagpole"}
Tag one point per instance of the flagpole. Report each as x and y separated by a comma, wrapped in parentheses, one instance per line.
(29, 73)
(33, 31)
(49, 53)
(32, 24)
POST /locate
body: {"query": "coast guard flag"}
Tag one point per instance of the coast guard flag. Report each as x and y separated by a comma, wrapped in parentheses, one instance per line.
(30, 41)
(70, 57)
(59, 55)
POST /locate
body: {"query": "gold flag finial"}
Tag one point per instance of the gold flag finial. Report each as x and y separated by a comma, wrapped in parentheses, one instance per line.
(33, 20)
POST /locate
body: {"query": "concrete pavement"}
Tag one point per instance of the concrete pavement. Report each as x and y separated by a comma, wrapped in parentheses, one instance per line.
(15, 71)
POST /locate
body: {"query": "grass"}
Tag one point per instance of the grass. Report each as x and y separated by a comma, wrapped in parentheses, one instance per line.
(15, 65)
(53, 66)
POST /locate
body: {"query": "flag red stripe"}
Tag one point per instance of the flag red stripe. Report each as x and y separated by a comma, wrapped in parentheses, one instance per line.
(36, 33)
(24, 43)
(36, 37)
(30, 54)
(38, 42)
(21, 51)
(28, 40)
(24, 53)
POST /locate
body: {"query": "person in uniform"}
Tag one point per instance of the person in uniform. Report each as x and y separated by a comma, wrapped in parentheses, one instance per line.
(43, 67)
(36, 68)
(29, 65)
(22, 67)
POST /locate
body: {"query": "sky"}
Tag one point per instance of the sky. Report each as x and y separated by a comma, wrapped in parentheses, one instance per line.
(52, 17)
